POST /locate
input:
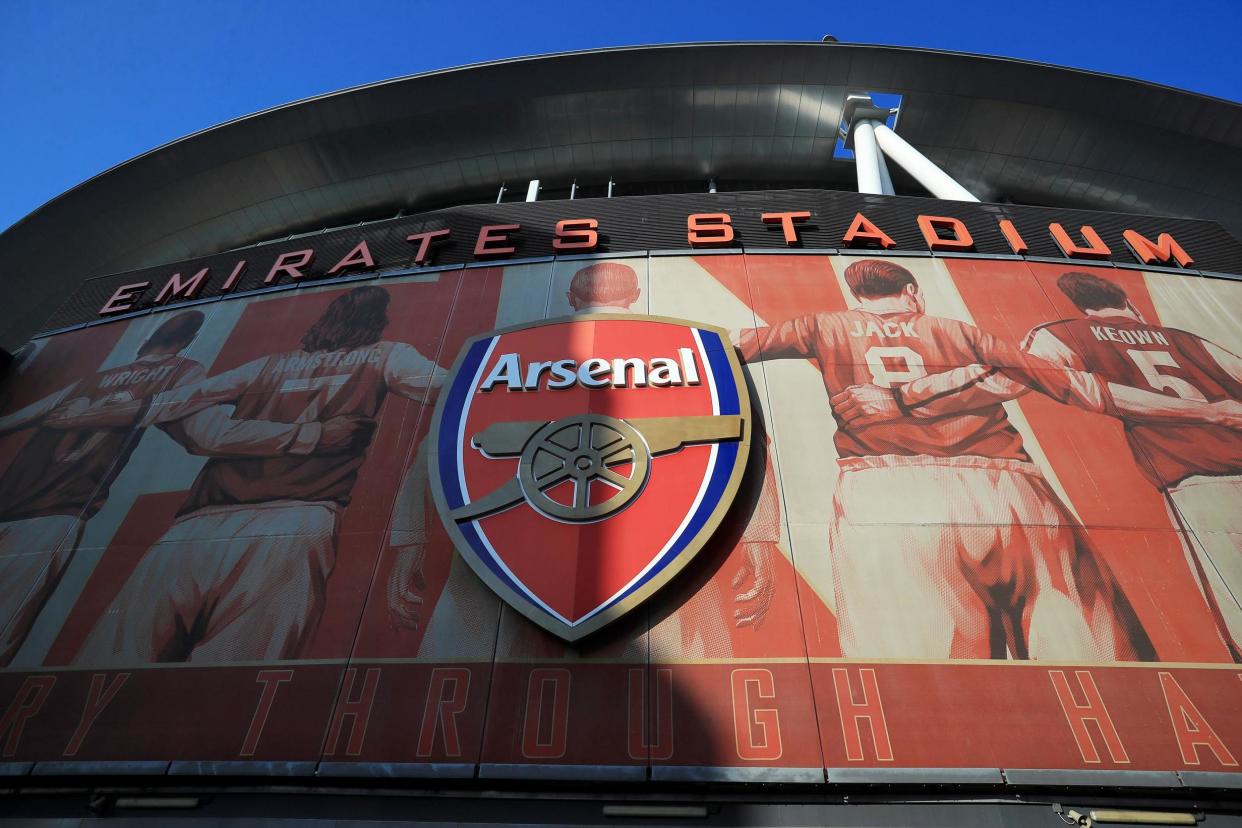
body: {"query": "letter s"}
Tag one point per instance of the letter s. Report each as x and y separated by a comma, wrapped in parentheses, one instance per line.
(564, 374)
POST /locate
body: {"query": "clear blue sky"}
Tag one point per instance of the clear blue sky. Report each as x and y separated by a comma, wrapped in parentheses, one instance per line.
(86, 84)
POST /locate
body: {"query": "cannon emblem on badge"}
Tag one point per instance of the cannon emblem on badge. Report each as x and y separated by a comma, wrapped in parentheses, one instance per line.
(586, 450)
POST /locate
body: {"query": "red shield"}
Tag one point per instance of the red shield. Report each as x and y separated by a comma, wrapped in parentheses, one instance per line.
(580, 463)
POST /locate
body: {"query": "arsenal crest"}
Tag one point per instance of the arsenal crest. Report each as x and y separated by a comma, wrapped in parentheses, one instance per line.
(581, 462)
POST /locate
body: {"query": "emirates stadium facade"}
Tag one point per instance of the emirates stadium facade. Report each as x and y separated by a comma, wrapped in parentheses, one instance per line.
(792, 433)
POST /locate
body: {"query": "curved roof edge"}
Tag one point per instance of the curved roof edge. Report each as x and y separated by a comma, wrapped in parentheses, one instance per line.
(639, 47)
(749, 112)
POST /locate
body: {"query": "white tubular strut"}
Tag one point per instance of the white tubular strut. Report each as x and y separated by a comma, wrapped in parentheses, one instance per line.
(886, 181)
(936, 180)
(867, 159)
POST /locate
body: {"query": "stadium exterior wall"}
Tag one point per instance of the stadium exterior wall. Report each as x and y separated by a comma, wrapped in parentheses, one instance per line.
(231, 552)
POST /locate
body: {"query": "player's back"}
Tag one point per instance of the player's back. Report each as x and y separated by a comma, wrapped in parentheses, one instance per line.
(299, 387)
(1127, 351)
(69, 471)
(890, 349)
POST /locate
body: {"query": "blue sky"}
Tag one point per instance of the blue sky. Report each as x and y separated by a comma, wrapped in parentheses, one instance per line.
(87, 85)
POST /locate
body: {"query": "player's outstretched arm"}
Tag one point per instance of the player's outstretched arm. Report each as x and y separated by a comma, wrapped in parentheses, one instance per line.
(1150, 406)
(214, 433)
(113, 411)
(961, 390)
(408, 373)
(36, 411)
(119, 410)
(1050, 366)
(1001, 373)
(948, 393)
(193, 395)
(791, 339)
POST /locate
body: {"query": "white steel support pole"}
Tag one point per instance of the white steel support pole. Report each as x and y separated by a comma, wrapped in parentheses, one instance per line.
(886, 181)
(936, 180)
(532, 190)
(867, 159)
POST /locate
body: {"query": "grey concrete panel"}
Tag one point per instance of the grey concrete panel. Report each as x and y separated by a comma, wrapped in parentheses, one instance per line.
(917, 776)
(687, 773)
(1110, 778)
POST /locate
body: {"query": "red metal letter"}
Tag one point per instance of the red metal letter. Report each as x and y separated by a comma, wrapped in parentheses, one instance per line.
(1093, 711)
(861, 231)
(174, 288)
(786, 221)
(961, 236)
(1016, 243)
(546, 737)
(446, 699)
(750, 722)
(231, 282)
(501, 235)
(424, 243)
(357, 709)
(1161, 251)
(1095, 247)
(291, 263)
(1189, 726)
(576, 234)
(360, 256)
(852, 714)
(642, 743)
(271, 681)
(709, 229)
(124, 298)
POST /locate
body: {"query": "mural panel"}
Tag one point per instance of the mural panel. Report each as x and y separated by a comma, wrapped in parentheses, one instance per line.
(974, 487)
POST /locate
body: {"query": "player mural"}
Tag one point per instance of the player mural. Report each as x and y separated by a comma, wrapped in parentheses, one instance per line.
(1030, 589)
(61, 476)
(669, 517)
(309, 416)
(1187, 443)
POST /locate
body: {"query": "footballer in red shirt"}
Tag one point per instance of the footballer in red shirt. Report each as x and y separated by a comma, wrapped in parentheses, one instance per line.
(241, 574)
(1178, 395)
(62, 474)
(946, 540)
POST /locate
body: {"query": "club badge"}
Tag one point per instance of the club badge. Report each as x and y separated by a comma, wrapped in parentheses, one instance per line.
(580, 463)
